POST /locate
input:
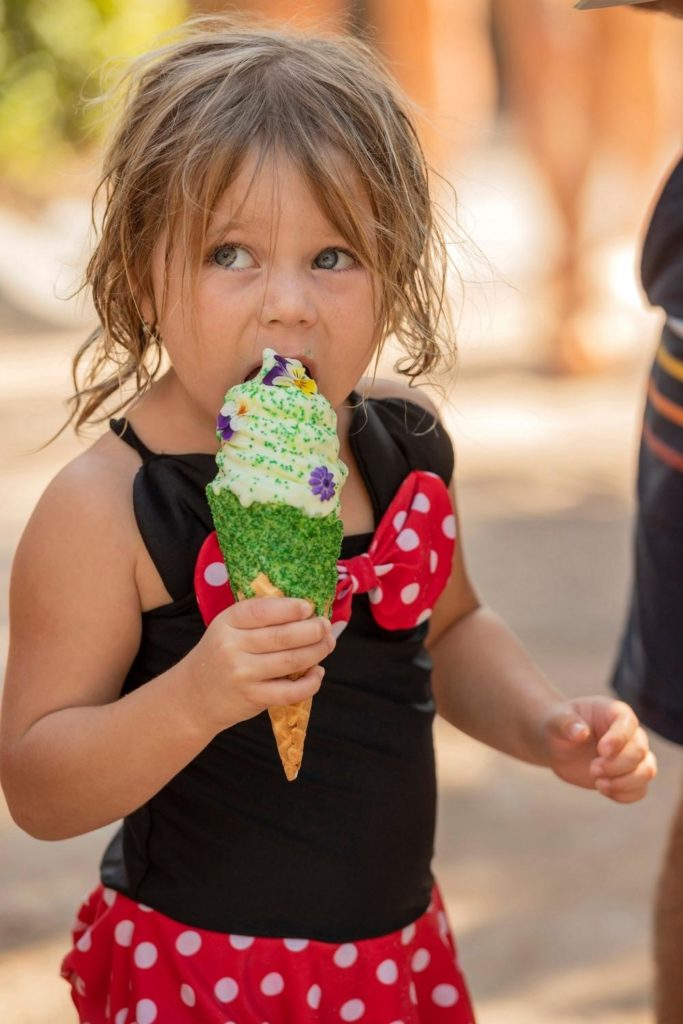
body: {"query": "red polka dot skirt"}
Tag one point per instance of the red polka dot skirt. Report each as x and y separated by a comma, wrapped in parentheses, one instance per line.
(133, 965)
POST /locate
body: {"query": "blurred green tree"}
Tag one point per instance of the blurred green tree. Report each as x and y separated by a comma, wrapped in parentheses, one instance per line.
(54, 55)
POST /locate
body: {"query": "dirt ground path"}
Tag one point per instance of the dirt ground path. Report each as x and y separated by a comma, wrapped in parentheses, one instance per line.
(549, 888)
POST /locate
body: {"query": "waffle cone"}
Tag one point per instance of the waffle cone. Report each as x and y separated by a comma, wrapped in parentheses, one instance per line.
(289, 723)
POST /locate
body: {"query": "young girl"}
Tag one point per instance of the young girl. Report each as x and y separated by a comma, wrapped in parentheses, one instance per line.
(264, 190)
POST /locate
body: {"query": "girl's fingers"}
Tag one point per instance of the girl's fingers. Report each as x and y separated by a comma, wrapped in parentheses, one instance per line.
(628, 788)
(620, 731)
(627, 760)
(257, 612)
(281, 664)
(278, 692)
(287, 636)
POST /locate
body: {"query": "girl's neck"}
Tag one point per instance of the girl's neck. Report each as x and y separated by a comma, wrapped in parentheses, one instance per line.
(168, 421)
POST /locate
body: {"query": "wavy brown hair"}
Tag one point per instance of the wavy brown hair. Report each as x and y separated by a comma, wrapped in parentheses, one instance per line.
(191, 111)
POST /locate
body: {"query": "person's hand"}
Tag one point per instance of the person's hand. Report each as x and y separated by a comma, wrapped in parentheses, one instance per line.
(598, 743)
(241, 665)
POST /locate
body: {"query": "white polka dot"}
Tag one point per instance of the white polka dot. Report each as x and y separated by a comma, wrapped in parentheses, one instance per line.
(408, 934)
(423, 616)
(387, 972)
(448, 527)
(410, 593)
(346, 955)
(226, 990)
(295, 945)
(79, 985)
(144, 908)
(216, 575)
(353, 1010)
(338, 628)
(313, 997)
(420, 960)
(412, 992)
(122, 1016)
(433, 561)
(382, 570)
(443, 924)
(188, 943)
(445, 995)
(85, 941)
(145, 955)
(421, 503)
(109, 897)
(146, 1011)
(123, 933)
(272, 984)
(241, 941)
(187, 995)
(376, 595)
(399, 520)
(354, 584)
(408, 540)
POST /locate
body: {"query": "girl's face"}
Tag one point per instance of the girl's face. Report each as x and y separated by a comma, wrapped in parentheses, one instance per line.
(275, 274)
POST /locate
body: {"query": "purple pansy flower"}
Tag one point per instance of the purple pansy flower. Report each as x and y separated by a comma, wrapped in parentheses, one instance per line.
(230, 419)
(290, 373)
(279, 370)
(321, 482)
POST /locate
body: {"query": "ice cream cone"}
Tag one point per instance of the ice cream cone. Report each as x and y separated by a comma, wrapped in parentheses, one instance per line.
(289, 722)
(275, 504)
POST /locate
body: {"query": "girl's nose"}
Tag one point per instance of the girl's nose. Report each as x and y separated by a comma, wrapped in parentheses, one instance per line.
(288, 301)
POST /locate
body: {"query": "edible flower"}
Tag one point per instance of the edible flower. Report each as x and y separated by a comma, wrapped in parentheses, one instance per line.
(290, 373)
(321, 482)
(231, 419)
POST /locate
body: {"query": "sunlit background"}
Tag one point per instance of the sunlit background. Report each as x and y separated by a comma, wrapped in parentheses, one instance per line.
(555, 129)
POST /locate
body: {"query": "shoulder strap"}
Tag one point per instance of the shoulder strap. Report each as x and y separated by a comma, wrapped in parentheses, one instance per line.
(123, 429)
(389, 438)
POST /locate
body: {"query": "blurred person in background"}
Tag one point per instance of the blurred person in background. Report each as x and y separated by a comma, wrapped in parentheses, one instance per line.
(649, 671)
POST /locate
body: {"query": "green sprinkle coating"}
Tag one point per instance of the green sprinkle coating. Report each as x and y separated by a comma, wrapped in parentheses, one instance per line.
(298, 553)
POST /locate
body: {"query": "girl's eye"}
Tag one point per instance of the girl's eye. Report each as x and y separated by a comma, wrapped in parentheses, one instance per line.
(232, 257)
(334, 259)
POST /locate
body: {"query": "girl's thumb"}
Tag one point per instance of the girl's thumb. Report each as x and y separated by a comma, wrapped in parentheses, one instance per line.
(569, 726)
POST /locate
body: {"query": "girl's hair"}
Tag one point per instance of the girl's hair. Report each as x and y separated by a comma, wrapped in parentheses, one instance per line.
(192, 111)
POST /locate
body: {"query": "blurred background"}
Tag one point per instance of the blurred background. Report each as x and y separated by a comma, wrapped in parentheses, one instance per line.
(555, 130)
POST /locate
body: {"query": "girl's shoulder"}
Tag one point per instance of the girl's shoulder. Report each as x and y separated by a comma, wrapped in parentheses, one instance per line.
(84, 521)
(95, 485)
(411, 419)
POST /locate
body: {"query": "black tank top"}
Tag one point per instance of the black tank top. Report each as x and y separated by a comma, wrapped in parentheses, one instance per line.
(228, 844)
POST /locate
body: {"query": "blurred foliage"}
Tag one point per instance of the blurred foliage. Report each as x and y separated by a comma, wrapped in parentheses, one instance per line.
(54, 56)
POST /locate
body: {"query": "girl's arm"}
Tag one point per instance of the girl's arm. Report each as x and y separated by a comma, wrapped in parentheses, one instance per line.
(74, 755)
(487, 685)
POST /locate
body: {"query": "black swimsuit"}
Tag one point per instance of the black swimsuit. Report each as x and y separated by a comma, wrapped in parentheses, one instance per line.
(212, 847)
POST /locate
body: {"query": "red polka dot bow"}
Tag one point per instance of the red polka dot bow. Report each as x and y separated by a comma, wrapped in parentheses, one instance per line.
(403, 571)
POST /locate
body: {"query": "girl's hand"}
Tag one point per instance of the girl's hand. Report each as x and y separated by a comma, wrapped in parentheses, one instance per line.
(598, 743)
(241, 665)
